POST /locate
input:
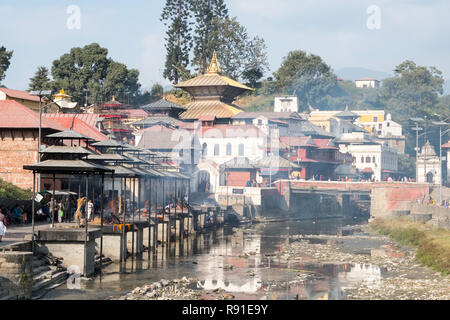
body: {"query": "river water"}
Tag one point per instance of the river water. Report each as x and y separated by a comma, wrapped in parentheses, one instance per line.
(242, 261)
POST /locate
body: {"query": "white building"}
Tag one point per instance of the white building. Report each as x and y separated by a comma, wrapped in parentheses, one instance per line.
(428, 165)
(286, 104)
(372, 158)
(367, 82)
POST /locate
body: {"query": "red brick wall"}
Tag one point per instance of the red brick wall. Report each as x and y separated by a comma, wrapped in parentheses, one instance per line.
(239, 178)
(14, 154)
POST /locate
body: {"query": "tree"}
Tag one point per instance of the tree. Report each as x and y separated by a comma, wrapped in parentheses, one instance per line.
(231, 43)
(40, 81)
(257, 62)
(413, 91)
(206, 33)
(5, 57)
(157, 91)
(90, 68)
(177, 13)
(308, 76)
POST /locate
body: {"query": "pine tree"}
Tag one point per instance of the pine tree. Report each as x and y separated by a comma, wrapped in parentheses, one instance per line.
(177, 16)
(206, 37)
(40, 81)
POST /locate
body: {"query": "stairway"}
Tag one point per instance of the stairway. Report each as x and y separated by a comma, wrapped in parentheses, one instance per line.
(47, 274)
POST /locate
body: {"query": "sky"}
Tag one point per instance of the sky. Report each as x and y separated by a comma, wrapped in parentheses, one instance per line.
(376, 34)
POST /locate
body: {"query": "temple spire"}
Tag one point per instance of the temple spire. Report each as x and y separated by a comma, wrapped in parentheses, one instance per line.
(214, 67)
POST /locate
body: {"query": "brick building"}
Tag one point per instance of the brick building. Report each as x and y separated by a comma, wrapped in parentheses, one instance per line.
(19, 135)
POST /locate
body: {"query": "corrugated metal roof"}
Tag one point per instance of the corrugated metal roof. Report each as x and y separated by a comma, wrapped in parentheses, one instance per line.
(15, 115)
(66, 150)
(157, 119)
(162, 104)
(110, 143)
(67, 166)
(67, 134)
(90, 118)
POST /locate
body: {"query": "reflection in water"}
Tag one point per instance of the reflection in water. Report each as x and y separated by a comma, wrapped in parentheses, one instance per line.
(240, 262)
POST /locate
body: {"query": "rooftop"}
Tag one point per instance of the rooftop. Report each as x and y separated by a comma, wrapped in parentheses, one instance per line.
(18, 94)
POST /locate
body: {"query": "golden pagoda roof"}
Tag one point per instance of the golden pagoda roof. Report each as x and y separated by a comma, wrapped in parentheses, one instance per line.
(62, 94)
(212, 77)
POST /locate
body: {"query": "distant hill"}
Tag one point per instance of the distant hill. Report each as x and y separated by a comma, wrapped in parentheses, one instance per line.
(353, 73)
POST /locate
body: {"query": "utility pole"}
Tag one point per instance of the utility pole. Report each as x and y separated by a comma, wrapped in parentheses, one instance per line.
(441, 134)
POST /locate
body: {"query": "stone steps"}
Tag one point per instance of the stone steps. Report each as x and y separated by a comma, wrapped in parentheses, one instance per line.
(41, 287)
(46, 276)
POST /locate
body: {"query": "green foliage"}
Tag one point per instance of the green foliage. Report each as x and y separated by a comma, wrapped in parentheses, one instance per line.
(5, 57)
(10, 191)
(407, 165)
(177, 13)
(40, 81)
(430, 252)
(413, 91)
(308, 76)
(206, 32)
(157, 91)
(89, 67)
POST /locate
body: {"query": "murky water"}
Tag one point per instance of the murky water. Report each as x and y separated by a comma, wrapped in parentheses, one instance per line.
(240, 261)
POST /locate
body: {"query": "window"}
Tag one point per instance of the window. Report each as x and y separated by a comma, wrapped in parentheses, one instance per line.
(388, 124)
(228, 149)
(375, 119)
(380, 126)
(241, 149)
(373, 159)
(204, 150)
(259, 122)
(362, 159)
(216, 149)
(367, 159)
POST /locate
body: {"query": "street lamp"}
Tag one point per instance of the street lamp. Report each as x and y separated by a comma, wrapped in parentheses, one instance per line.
(417, 129)
(40, 93)
(440, 124)
(86, 91)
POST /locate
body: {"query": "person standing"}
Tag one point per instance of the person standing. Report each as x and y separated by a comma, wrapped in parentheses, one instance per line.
(2, 225)
(60, 211)
(90, 210)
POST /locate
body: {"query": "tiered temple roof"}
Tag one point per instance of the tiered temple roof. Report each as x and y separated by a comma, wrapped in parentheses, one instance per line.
(212, 94)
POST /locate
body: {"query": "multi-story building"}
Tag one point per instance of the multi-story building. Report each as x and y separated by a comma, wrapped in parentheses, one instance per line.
(374, 159)
(375, 122)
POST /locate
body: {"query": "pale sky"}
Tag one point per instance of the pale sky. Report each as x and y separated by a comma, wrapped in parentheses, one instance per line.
(131, 30)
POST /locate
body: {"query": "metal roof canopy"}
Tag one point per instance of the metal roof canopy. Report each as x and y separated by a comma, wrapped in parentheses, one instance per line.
(108, 157)
(66, 150)
(122, 172)
(68, 135)
(110, 143)
(68, 167)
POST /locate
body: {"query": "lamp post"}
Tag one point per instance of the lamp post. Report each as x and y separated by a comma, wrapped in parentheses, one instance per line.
(440, 124)
(40, 93)
(86, 91)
